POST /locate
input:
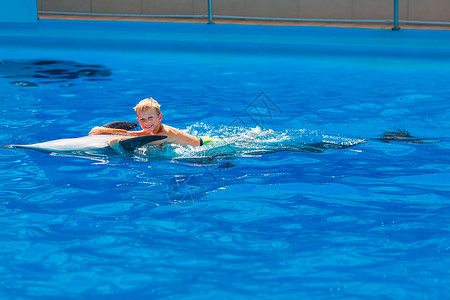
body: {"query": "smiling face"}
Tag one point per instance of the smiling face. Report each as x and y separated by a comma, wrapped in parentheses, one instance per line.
(149, 120)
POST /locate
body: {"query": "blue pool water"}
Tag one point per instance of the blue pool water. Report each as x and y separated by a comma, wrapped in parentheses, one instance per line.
(258, 216)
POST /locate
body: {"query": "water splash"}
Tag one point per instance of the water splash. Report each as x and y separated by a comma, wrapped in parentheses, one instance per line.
(240, 141)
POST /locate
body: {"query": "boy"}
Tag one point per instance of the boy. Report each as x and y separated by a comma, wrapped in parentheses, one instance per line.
(149, 118)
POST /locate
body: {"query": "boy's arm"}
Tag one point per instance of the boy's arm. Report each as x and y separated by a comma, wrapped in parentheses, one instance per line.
(103, 130)
(175, 136)
(182, 138)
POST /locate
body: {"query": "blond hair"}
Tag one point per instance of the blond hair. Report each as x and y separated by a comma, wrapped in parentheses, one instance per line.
(146, 104)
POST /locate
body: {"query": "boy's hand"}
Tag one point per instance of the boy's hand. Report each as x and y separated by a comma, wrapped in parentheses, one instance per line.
(114, 141)
(97, 130)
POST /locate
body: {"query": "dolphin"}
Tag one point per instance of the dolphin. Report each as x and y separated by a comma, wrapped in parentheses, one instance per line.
(93, 144)
(404, 136)
(88, 144)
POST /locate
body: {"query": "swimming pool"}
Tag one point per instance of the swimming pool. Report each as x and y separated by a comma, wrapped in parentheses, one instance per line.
(237, 221)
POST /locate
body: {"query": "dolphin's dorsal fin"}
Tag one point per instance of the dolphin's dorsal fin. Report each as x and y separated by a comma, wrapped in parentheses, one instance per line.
(121, 125)
(132, 144)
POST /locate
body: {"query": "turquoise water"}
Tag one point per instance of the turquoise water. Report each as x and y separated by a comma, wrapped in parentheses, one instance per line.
(260, 215)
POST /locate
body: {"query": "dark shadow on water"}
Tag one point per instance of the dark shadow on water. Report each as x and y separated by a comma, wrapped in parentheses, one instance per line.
(31, 73)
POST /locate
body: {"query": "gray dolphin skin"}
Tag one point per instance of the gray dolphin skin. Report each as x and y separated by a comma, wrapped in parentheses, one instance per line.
(88, 144)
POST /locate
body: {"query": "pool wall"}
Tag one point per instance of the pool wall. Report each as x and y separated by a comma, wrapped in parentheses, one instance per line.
(413, 10)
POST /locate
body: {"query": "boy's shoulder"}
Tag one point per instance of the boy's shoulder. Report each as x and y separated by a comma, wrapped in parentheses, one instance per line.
(169, 129)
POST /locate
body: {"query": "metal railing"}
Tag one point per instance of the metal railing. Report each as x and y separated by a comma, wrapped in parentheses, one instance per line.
(395, 28)
(211, 16)
(395, 20)
(210, 12)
